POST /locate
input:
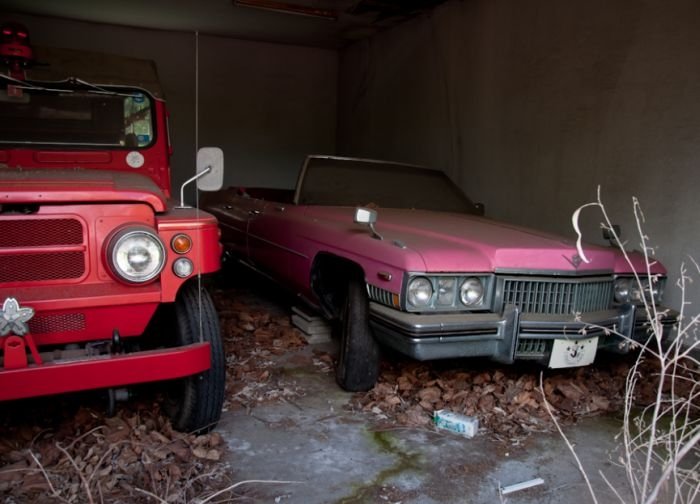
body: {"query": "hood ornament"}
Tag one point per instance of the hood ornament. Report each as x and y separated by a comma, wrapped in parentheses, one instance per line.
(13, 319)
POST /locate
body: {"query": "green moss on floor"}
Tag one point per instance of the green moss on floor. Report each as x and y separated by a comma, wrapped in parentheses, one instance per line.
(405, 461)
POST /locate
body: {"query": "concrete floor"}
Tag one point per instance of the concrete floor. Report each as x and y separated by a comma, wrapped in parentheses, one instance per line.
(336, 455)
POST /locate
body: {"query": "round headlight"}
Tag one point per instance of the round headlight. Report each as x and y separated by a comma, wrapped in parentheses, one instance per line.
(420, 291)
(471, 292)
(136, 255)
(622, 290)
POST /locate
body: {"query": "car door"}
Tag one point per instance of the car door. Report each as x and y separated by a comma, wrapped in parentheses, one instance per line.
(272, 243)
(233, 212)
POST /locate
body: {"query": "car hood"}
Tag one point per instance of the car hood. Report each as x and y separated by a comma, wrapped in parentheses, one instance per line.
(40, 186)
(449, 242)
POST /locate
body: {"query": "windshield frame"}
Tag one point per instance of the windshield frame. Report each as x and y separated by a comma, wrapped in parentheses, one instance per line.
(82, 87)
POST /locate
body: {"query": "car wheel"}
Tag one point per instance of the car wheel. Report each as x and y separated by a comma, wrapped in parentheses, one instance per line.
(358, 361)
(194, 403)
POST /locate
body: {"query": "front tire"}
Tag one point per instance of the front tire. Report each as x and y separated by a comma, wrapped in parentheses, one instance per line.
(194, 403)
(358, 361)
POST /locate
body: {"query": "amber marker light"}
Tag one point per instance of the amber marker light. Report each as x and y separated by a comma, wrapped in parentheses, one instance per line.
(181, 243)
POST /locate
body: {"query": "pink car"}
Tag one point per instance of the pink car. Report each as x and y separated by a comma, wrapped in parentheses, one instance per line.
(400, 257)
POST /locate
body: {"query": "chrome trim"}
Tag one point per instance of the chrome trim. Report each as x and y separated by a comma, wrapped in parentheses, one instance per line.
(493, 335)
(556, 273)
(14, 318)
(121, 235)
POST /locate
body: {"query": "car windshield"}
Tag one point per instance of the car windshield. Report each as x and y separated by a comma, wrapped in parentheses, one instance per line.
(354, 182)
(56, 116)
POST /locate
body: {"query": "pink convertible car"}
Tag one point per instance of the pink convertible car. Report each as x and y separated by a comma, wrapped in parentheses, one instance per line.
(398, 256)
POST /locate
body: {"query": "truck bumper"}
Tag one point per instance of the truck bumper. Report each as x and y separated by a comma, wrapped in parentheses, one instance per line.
(507, 336)
(103, 371)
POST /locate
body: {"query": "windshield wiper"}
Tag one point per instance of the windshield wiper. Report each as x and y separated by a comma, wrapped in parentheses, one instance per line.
(98, 89)
(94, 88)
(29, 86)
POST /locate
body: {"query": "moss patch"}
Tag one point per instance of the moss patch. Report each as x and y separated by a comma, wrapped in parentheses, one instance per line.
(405, 462)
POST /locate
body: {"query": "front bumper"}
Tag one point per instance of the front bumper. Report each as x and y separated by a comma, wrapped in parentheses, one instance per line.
(102, 371)
(507, 336)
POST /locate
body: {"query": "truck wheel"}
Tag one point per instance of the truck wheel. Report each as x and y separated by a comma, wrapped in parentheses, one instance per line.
(358, 362)
(194, 403)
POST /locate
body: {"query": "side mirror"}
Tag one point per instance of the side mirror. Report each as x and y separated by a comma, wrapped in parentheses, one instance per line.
(210, 172)
(479, 209)
(365, 216)
(210, 163)
(369, 217)
(610, 236)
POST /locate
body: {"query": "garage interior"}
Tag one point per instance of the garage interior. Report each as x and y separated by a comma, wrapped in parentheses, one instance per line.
(528, 106)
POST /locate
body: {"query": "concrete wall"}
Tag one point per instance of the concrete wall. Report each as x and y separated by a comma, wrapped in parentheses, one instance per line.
(530, 106)
(266, 105)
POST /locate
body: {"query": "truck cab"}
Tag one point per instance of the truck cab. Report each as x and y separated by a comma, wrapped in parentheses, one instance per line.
(100, 268)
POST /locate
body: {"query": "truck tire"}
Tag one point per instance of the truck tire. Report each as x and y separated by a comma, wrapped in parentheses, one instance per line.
(194, 403)
(358, 361)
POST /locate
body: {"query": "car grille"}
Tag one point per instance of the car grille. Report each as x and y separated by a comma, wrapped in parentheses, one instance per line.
(532, 348)
(62, 322)
(36, 249)
(380, 295)
(558, 296)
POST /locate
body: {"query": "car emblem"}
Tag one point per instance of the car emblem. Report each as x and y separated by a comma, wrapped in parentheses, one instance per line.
(575, 260)
(13, 319)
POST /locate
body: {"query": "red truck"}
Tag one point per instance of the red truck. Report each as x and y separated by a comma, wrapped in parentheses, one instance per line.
(100, 269)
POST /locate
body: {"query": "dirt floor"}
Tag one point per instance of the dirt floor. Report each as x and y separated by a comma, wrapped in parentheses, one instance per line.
(289, 434)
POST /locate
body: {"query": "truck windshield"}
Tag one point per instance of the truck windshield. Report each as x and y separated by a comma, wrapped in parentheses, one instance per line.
(85, 118)
(357, 182)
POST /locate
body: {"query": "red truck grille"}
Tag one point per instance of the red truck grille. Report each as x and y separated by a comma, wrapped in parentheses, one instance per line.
(40, 232)
(63, 322)
(30, 249)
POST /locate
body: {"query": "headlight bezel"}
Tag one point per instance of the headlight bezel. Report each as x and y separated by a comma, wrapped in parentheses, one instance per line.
(635, 288)
(446, 289)
(113, 248)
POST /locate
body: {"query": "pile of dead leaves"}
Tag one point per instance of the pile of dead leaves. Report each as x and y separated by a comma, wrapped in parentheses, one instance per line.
(506, 400)
(253, 335)
(132, 457)
(80, 455)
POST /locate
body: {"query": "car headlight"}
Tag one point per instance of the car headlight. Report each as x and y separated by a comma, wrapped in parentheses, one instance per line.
(448, 292)
(136, 255)
(629, 290)
(420, 291)
(471, 292)
(622, 289)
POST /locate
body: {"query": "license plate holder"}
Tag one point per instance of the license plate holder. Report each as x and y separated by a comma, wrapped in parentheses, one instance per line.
(573, 352)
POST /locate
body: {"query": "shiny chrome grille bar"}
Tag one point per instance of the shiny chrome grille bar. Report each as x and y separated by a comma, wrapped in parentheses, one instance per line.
(557, 296)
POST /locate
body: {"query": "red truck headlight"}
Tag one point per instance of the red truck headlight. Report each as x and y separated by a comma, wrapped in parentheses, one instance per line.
(135, 255)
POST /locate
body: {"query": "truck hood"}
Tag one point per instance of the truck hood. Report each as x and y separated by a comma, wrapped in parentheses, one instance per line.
(450, 242)
(40, 186)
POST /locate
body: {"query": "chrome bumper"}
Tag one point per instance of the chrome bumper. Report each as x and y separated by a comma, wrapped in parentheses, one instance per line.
(503, 337)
